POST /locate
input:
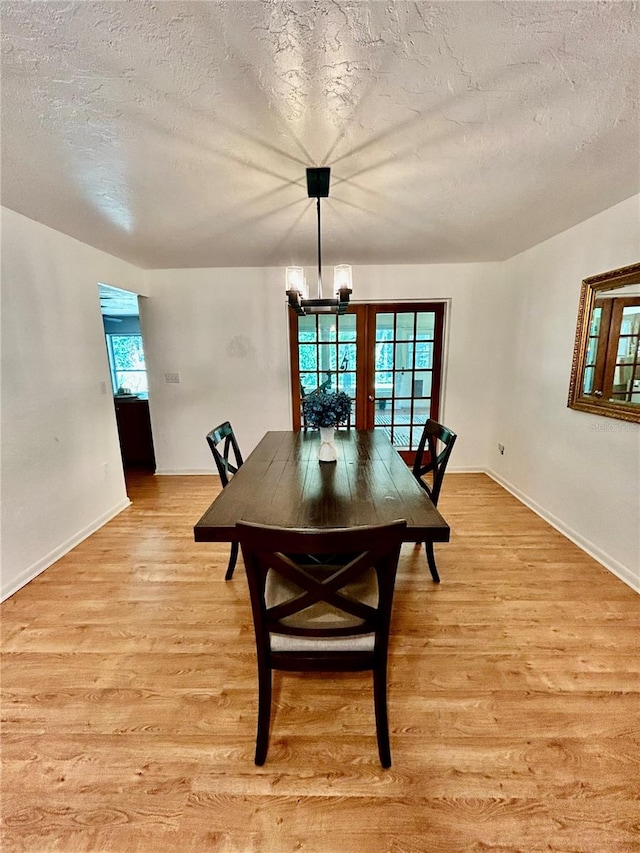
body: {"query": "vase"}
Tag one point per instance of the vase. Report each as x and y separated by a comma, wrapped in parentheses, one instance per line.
(327, 452)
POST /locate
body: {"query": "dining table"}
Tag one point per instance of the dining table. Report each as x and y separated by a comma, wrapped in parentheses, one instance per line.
(283, 484)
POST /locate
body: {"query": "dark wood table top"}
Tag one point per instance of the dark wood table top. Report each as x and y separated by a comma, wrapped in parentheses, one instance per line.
(282, 484)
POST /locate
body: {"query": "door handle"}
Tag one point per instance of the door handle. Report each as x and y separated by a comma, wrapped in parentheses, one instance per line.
(371, 399)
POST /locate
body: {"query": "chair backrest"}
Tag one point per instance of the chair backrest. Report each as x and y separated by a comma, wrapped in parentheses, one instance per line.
(226, 452)
(429, 461)
(303, 421)
(309, 585)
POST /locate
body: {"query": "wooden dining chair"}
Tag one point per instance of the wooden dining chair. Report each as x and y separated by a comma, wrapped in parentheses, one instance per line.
(311, 615)
(430, 462)
(228, 459)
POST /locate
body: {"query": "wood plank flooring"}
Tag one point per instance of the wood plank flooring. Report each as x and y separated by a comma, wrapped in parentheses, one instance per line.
(129, 699)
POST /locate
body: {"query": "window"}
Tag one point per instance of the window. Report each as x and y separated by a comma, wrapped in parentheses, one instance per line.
(126, 360)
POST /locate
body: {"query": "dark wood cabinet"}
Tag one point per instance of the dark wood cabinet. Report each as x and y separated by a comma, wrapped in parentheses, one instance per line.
(134, 429)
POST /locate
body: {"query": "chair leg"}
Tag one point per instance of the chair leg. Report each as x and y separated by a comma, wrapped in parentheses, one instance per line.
(382, 720)
(233, 556)
(264, 713)
(431, 559)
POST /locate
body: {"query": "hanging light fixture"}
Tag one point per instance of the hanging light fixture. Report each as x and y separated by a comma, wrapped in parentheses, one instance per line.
(296, 285)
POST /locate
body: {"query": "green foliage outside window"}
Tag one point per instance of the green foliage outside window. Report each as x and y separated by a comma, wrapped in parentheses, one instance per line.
(128, 368)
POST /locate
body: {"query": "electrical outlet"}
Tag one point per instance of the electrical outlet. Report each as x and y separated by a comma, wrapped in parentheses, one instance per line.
(172, 378)
(501, 449)
(103, 387)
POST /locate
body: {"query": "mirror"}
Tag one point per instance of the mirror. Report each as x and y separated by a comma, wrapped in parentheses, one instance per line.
(605, 374)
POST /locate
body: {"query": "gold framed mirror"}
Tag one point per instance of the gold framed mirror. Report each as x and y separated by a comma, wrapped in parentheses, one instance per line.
(605, 372)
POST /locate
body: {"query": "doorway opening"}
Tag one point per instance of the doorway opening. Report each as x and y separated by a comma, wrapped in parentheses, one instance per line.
(125, 350)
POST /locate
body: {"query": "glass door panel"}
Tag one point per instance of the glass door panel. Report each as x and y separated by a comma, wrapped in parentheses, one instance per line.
(612, 364)
(405, 383)
(325, 355)
(625, 376)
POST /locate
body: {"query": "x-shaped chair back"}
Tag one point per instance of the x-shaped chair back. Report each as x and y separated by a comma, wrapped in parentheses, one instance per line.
(429, 461)
(317, 567)
(226, 453)
(225, 450)
(328, 591)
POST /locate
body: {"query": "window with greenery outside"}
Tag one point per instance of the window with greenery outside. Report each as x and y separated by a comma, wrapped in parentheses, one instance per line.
(128, 368)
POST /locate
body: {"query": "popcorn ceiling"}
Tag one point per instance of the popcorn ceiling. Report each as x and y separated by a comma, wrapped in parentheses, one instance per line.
(177, 134)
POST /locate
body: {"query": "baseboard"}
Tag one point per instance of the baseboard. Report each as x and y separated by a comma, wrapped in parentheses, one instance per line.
(182, 472)
(616, 568)
(37, 568)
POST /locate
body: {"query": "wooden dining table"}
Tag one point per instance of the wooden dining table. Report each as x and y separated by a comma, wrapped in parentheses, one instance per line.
(282, 484)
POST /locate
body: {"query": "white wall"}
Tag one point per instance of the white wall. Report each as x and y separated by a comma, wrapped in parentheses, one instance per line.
(580, 471)
(61, 467)
(472, 292)
(225, 332)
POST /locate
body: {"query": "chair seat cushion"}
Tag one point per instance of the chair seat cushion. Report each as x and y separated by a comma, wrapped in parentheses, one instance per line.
(321, 614)
(289, 643)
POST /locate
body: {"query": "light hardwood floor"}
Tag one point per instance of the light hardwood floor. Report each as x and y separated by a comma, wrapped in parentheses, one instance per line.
(130, 699)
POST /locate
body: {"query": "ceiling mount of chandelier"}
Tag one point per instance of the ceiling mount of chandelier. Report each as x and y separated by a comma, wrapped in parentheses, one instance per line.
(297, 289)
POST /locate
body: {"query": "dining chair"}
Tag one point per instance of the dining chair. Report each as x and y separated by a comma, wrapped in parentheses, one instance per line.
(228, 459)
(432, 463)
(310, 614)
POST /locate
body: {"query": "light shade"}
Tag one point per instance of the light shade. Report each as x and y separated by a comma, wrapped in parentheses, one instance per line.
(295, 280)
(342, 278)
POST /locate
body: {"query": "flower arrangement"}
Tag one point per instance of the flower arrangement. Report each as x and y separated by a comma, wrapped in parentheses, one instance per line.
(326, 408)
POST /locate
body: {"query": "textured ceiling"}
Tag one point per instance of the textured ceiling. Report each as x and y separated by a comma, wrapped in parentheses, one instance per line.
(177, 134)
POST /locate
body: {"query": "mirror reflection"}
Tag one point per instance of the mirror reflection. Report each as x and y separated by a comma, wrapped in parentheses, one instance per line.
(612, 370)
(606, 367)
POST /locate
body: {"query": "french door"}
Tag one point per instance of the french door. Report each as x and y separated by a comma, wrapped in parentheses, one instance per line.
(612, 369)
(387, 357)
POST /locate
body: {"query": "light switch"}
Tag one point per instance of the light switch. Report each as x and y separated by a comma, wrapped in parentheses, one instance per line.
(172, 377)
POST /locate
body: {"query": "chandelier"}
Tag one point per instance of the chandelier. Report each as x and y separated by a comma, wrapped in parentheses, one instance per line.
(297, 288)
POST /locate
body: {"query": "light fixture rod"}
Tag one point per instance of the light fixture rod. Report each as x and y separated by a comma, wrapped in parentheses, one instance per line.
(319, 252)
